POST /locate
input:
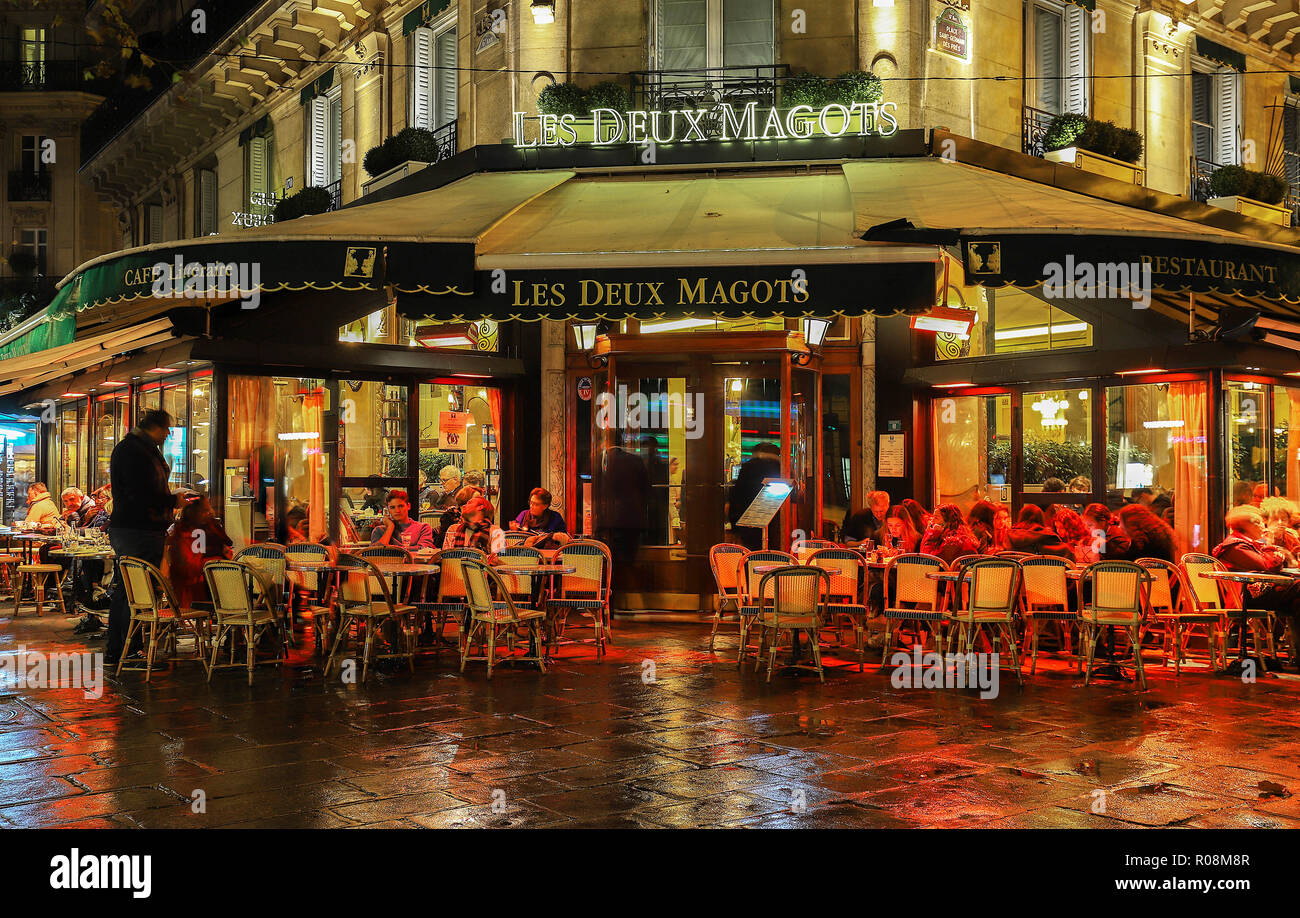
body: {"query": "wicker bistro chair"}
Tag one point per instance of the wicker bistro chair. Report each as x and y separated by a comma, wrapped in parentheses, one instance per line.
(450, 601)
(587, 590)
(1178, 618)
(1045, 598)
(912, 596)
(268, 559)
(846, 593)
(40, 577)
(154, 609)
(306, 586)
(1117, 601)
(240, 604)
(491, 620)
(520, 586)
(366, 603)
(992, 591)
(397, 553)
(1229, 600)
(8, 570)
(803, 549)
(750, 581)
(515, 537)
(724, 561)
(793, 600)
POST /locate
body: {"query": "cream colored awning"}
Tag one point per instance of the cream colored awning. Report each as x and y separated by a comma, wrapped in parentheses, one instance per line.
(25, 372)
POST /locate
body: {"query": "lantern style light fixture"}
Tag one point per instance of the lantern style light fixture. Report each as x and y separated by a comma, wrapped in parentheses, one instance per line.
(543, 11)
(814, 330)
(584, 333)
(945, 319)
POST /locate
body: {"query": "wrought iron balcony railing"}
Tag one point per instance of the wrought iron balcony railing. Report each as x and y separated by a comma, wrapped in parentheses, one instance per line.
(336, 194)
(45, 76)
(446, 138)
(1033, 129)
(707, 88)
(1202, 170)
(1292, 201)
(29, 186)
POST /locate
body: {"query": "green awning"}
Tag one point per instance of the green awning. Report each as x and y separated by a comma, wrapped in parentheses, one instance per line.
(51, 327)
(317, 87)
(422, 15)
(1216, 52)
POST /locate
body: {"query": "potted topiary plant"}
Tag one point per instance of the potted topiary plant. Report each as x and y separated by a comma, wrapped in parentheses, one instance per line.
(1100, 147)
(1254, 194)
(22, 262)
(563, 99)
(311, 200)
(406, 152)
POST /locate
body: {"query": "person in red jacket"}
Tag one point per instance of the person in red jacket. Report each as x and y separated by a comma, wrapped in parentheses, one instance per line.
(1244, 549)
(948, 536)
(1031, 534)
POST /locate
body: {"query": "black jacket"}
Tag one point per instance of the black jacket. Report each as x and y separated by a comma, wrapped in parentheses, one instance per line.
(142, 498)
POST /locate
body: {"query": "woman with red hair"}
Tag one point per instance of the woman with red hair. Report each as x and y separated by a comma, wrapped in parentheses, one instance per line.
(1073, 531)
(948, 536)
(1149, 535)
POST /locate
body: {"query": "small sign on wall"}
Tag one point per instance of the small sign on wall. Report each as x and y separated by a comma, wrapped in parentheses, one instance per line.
(891, 457)
(952, 29)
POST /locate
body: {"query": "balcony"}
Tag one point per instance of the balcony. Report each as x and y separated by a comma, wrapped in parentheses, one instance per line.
(335, 189)
(29, 186)
(1033, 129)
(46, 76)
(1202, 170)
(707, 88)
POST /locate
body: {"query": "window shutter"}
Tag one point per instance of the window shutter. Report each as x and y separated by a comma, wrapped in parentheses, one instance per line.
(682, 34)
(1227, 150)
(257, 166)
(422, 76)
(207, 202)
(1047, 49)
(1076, 60)
(747, 39)
(1291, 142)
(447, 78)
(153, 220)
(318, 124)
(335, 138)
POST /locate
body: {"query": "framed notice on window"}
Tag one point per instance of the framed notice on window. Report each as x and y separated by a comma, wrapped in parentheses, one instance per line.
(451, 431)
(891, 457)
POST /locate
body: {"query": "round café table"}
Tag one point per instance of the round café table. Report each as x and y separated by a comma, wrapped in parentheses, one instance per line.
(1237, 667)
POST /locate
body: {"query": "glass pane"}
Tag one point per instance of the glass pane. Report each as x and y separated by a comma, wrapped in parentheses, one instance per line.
(1248, 455)
(72, 419)
(746, 33)
(682, 34)
(110, 427)
(837, 447)
(583, 525)
(1026, 322)
(201, 429)
(752, 434)
(803, 445)
(175, 401)
(1286, 442)
(1057, 438)
(458, 430)
(372, 430)
(972, 449)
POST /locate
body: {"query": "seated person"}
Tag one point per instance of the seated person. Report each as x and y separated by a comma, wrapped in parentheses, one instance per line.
(1243, 549)
(1107, 539)
(444, 498)
(451, 515)
(900, 531)
(192, 541)
(546, 525)
(1149, 536)
(476, 529)
(40, 506)
(868, 523)
(1277, 515)
(948, 537)
(398, 528)
(295, 527)
(1032, 535)
(78, 509)
(1073, 531)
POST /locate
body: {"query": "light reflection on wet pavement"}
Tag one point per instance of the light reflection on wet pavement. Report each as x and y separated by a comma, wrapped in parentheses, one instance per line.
(592, 744)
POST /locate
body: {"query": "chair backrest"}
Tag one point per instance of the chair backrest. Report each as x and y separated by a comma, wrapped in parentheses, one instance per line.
(592, 568)
(846, 569)
(724, 561)
(1044, 582)
(479, 582)
(267, 558)
(992, 585)
(1014, 555)
(451, 580)
(1205, 594)
(361, 583)
(514, 537)
(387, 552)
(794, 591)
(1160, 589)
(432, 517)
(909, 582)
(235, 588)
(519, 556)
(145, 585)
(312, 550)
(803, 549)
(750, 578)
(1116, 589)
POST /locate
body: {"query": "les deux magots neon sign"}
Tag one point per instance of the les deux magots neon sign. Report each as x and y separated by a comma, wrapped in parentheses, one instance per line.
(693, 126)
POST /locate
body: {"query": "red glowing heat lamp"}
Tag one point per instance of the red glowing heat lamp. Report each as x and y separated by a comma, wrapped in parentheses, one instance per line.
(945, 319)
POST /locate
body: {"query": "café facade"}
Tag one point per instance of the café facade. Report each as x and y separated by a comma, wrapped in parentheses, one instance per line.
(898, 309)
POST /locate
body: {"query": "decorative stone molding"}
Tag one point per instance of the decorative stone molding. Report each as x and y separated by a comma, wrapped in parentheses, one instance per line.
(868, 408)
(30, 216)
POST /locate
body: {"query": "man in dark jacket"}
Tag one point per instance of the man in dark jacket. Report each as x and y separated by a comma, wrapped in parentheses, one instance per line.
(143, 506)
(1245, 549)
(763, 462)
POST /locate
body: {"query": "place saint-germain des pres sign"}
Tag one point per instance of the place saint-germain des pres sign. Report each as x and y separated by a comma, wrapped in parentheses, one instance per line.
(724, 122)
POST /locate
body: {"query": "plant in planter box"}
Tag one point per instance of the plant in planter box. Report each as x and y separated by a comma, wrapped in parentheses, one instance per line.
(311, 200)
(378, 159)
(808, 89)
(607, 94)
(855, 86)
(1103, 137)
(562, 99)
(1064, 131)
(1229, 181)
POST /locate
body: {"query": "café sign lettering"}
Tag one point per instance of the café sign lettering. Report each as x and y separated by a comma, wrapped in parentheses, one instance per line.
(723, 122)
(681, 291)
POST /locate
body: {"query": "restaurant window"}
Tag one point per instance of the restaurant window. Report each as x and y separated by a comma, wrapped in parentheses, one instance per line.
(1216, 107)
(1247, 405)
(276, 454)
(32, 52)
(36, 243)
(170, 395)
(694, 34)
(434, 76)
(460, 426)
(205, 203)
(325, 138)
(1010, 320)
(705, 324)
(972, 449)
(1156, 438)
(111, 422)
(200, 430)
(1057, 437)
(837, 447)
(72, 446)
(1056, 40)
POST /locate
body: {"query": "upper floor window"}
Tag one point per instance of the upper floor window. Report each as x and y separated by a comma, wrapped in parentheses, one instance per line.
(1056, 45)
(325, 138)
(36, 243)
(695, 34)
(433, 76)
(31, 154)
(1216, 113)
(153, 223)
(31, 52)
(205, 190)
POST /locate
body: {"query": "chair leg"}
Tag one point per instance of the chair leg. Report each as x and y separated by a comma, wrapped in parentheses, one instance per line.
(771, 653)
(58, 591)
(1033, 651)
(1136, 634)
(491, 647)
(149, 651)
(130, 632)
(816, 647)
(21, 581)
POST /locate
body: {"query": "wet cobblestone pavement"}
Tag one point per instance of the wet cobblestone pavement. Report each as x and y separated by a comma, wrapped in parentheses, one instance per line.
(596, 744)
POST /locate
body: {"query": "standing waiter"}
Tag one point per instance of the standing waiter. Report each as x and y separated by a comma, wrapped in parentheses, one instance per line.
(143, 506)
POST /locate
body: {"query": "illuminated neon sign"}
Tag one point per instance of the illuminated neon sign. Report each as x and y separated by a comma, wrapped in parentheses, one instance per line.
(608, 126)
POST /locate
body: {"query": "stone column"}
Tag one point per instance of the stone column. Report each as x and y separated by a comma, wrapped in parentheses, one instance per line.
(868, 410)
(554, 403)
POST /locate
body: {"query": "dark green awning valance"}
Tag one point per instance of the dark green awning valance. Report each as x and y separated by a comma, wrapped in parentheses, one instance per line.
(318, 87)
(422, 15)
(1216, 52)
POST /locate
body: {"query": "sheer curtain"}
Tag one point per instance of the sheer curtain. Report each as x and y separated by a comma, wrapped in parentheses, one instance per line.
(1293, 447)
(313, 405)
(1187, 402)
(252, 400)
